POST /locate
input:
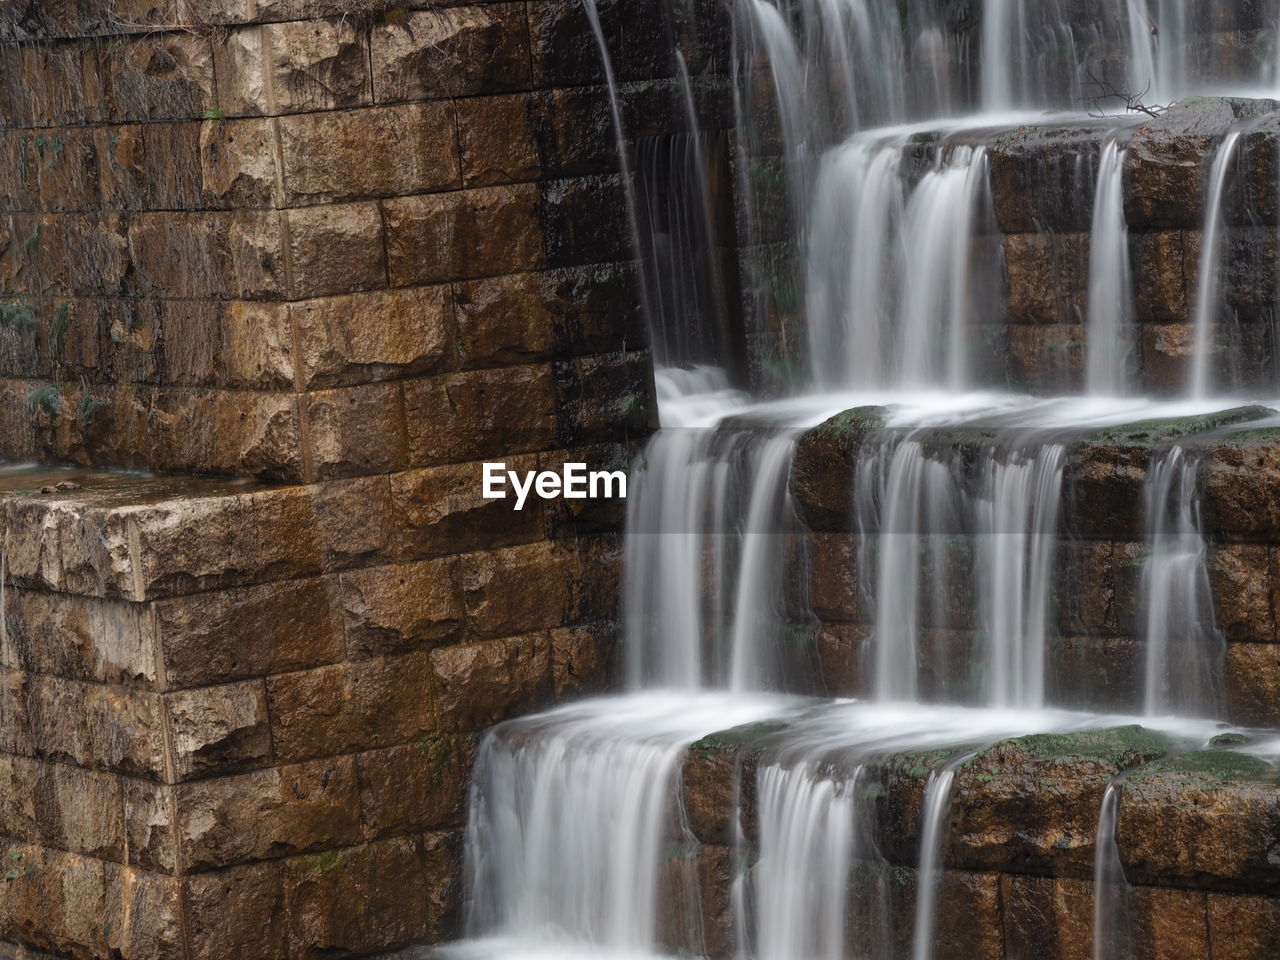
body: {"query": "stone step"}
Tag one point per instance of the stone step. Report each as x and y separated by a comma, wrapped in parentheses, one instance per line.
(1195, 830)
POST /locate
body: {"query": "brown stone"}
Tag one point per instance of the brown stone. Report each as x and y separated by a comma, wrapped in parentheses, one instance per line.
(518, 589)
(150, 837)
(379, 335)
(463, 235)
(1048, 277)
(841, 667)
(397, 609)
(606, 397)
(335, 249)
(80, 637)
(484, 683)
(1171, 923)
(237, 912)
(238, 164)
(419, 153)
(356, 431)
(419, 786)
(1240, 577)
(1162, 262)
(160, 77)
(353, 519)
(1048, 358)
(453, 52)
(207, 255)
(1244, 928)
(584, 660)
(442, 510)
(258, 352)
(229, 635)
(1251, 678)
(219, 730)
(270, 813)
(485, 413)
(370, 703)
(1047, 918)
(293, 67)
(497, 140)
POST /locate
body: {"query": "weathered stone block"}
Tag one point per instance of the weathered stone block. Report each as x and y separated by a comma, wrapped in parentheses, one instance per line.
(370, 703)
(269, 813)
(1048, 277)
(321, 152)
(463, 235)
(292, 67)
(453, 52)
(80, 638)
(237, 912)
(1240, 578)
(484, 413)
(584, 660)
(1162, 262)
(335, 249)
(238, 164)
(605, 397)
(226, 635)
(564, 56)
(584, 220)
(380, 335)
(258, 345)
(353, 518)
(355, 431)
(219, 730)
(150, 836)
(481, 684)
(159, 77)
(415, 787)
(441, 510)
(401, 608)
(207, 256)
(1047, 918)
(1244, 928)
(1043, 178)
(1251, 681)
(496, 136)
(518, 589)
(359, 900)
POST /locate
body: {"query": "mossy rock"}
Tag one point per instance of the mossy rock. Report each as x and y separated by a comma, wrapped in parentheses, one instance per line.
(1208, 769)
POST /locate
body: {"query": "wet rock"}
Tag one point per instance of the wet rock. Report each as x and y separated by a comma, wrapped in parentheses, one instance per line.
(150, 837)
(1169, 159)
(584, 220)
(356, 431)
(160, 77)
(319, 152)
(486, 413)
(335, 250)
(269, 813)
(238, 163)
(352, 706)
(824, 464)
(518, 589)
(1244, 928)
(633, 33)
(1047, 918)
(358, 900)
(1048, 277)
(605, 398)
(1243, 471)
(401, 608)
(1240, 578)
(418, 786)
(219, 730)
(1031, 804)
(292, 67)
(238, 911)
(496, 137)
(1043, 178)
(1207, 819)
(584, 660)
(1251, 681)
(485, 683)
(463, 235)
(452, 52)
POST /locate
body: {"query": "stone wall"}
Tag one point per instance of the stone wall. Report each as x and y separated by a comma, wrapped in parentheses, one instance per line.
(336, 253)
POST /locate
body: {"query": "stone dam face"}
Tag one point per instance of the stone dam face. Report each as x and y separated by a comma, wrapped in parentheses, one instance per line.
(942, 621)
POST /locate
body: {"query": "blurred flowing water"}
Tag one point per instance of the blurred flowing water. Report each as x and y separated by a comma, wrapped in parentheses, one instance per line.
(861, 144)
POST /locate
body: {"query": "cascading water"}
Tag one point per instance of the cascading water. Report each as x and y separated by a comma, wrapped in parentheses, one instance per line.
(869, 125)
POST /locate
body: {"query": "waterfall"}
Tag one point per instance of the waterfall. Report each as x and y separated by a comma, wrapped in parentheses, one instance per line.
(1184, 649)
(936, 812)
(1208, 285)
(1110, 283)
(1112, 916)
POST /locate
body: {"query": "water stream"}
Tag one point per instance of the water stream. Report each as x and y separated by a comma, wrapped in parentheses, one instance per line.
(869, 128)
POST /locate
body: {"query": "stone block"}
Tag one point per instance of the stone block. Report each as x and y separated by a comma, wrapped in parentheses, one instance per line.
(207, 255)
(1240, 578)
(355, 431)
(237, 912)
(268, 814)
(226, 635)
(81, 638)
(481, 684)
(463, 235)
(584, 220)
(485, 413)
(1163, 263)
(458, 51)
(358, 900)
(64, 164)
(1251, 681)
(567, 519)
(1048, 277)
(1244, 928)
(335, 249)
(151, 840)
(239, 165)
(398, 609)
(519, 589)
(327, 156)
(1200, 819)
(584, 660)
(522, 318)
(219, 730)
(415, 787)
(370, 703)
(441, 510)
(564, 54)
(256, 349)
(167, 76)
(496, 137)
(606, 397)
(293, 67)
(1047, 918)
(354, 521)
(380, 335)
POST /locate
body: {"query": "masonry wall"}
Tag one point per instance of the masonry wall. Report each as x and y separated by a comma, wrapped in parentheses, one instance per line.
(329, 256)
